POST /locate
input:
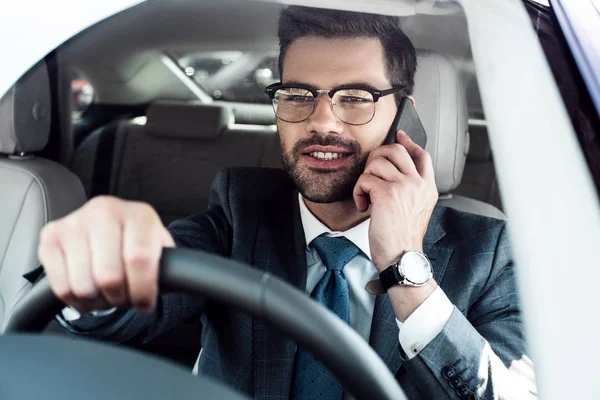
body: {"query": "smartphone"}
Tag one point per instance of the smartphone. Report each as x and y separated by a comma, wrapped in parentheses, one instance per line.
(407, 120)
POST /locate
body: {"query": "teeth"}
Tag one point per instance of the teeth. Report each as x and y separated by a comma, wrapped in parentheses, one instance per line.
(326, 156)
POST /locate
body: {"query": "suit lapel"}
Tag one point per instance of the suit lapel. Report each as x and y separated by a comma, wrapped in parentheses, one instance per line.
(280, 251)
(384, 330)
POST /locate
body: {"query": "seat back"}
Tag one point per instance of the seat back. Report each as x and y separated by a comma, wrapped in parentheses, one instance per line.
(442, 107)
(170, 159)
(34, 190)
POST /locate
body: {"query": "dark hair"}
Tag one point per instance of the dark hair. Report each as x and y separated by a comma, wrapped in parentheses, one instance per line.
(400, 55)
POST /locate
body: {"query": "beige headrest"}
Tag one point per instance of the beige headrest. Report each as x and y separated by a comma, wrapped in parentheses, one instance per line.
(184, 120)
(25, 113)
(442, 107)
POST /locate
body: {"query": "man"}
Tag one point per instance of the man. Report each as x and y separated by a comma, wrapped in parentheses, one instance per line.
(345, 210)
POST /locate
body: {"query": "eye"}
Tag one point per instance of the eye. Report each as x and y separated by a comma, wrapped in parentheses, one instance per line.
(354, 99)
(296, 98)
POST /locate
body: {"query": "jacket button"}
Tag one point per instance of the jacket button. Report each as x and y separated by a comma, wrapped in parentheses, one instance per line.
(468, 396)
(464, 391)
(455, 381)
(448, 371)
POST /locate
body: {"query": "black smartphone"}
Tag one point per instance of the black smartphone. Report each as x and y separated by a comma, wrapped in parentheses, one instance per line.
(407, 120)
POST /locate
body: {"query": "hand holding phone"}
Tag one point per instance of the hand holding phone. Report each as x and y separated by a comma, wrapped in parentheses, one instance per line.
(406, 120)
(398, 189)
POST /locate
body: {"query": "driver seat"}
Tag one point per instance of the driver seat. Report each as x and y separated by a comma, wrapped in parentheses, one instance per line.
(34, 190)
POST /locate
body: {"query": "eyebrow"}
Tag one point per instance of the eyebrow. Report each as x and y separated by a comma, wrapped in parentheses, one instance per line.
(345, 85)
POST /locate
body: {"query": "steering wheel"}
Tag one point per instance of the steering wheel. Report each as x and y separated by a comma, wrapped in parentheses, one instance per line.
(68, 368)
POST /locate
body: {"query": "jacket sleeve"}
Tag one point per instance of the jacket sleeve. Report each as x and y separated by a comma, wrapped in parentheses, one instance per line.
(482, 355)
(208, 231)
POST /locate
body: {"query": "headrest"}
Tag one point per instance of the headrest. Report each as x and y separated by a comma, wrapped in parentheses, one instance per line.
(25, 113)
(442, 107)
(184, 120)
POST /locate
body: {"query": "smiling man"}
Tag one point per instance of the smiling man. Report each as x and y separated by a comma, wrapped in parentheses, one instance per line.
(347, 213)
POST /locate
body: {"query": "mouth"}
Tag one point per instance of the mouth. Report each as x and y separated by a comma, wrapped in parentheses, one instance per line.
(319, 155)
(326, 157)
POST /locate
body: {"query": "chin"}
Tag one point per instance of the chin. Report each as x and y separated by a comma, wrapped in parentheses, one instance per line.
(319, 189)
(321, 186)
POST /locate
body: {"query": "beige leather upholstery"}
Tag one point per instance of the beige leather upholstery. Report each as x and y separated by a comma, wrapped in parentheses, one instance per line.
(34, 191)
(442, 107)
(25, 113)
(479, 178)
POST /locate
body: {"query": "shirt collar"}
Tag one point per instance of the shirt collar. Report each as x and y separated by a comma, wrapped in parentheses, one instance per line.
(359, 235)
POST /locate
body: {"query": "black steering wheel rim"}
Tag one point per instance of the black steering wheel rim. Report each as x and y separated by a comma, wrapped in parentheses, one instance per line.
(260, 294)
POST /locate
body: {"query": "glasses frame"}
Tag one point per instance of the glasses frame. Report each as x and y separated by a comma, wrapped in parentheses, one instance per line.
(376, 93)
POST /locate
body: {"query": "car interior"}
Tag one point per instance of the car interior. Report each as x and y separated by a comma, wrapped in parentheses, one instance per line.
(154, 134)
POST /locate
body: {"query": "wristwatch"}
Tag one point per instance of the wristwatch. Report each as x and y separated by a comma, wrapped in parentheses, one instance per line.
(412, 268)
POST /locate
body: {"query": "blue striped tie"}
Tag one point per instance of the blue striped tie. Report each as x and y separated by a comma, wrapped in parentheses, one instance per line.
(312, 380)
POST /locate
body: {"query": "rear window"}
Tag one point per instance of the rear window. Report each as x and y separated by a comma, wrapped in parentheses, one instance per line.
(232, 75)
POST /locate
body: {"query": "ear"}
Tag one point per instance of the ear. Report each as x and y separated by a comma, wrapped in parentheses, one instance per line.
(413, 101)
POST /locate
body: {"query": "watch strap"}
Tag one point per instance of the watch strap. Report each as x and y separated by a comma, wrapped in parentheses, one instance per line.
(390, 277)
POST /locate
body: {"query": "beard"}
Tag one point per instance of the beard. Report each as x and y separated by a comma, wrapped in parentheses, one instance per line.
(319, 185)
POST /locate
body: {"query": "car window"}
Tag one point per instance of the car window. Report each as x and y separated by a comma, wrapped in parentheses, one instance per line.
(232, 76)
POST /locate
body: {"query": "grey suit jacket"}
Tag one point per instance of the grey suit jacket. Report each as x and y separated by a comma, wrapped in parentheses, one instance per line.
(254, 218)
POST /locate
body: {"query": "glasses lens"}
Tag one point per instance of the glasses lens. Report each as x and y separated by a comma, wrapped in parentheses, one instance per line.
(354, 106)
(293, 104)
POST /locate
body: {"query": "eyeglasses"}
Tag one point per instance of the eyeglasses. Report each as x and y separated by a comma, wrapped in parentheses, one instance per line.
(354, 105)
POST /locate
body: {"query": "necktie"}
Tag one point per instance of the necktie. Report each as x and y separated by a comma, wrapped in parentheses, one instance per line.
(312, 380)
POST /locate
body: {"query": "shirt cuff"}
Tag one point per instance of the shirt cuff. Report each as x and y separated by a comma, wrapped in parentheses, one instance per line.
(425, 323)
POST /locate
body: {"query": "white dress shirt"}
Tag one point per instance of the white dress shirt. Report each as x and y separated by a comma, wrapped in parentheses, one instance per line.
(420, 328)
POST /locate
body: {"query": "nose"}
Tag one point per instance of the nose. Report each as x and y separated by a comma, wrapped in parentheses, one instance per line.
(323, 120)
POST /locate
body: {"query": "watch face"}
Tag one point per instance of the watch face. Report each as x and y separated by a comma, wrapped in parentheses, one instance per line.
(415, 267)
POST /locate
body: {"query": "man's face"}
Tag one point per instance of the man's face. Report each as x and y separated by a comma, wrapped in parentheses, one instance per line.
(327, 64)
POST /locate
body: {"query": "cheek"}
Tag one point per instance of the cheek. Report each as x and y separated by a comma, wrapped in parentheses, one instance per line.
(289, 134)
(284, 136)
(371, 135)
(380, 125)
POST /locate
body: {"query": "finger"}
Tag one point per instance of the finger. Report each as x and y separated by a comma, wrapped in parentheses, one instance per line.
(77, 255)
(168, 240)
(364, 189)
(142, 246)
(398, 155)
(107, 267)
(52, 258)
(383, 168)
(421, 158)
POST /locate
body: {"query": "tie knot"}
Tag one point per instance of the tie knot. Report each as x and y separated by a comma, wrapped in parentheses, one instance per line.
(335, 252)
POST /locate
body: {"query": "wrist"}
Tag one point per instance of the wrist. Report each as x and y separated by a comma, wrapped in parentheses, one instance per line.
(406, 299)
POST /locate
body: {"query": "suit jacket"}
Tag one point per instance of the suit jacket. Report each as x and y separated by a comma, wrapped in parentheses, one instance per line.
(253, 217)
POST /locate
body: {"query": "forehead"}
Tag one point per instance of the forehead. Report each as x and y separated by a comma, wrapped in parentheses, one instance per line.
(327, 63)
